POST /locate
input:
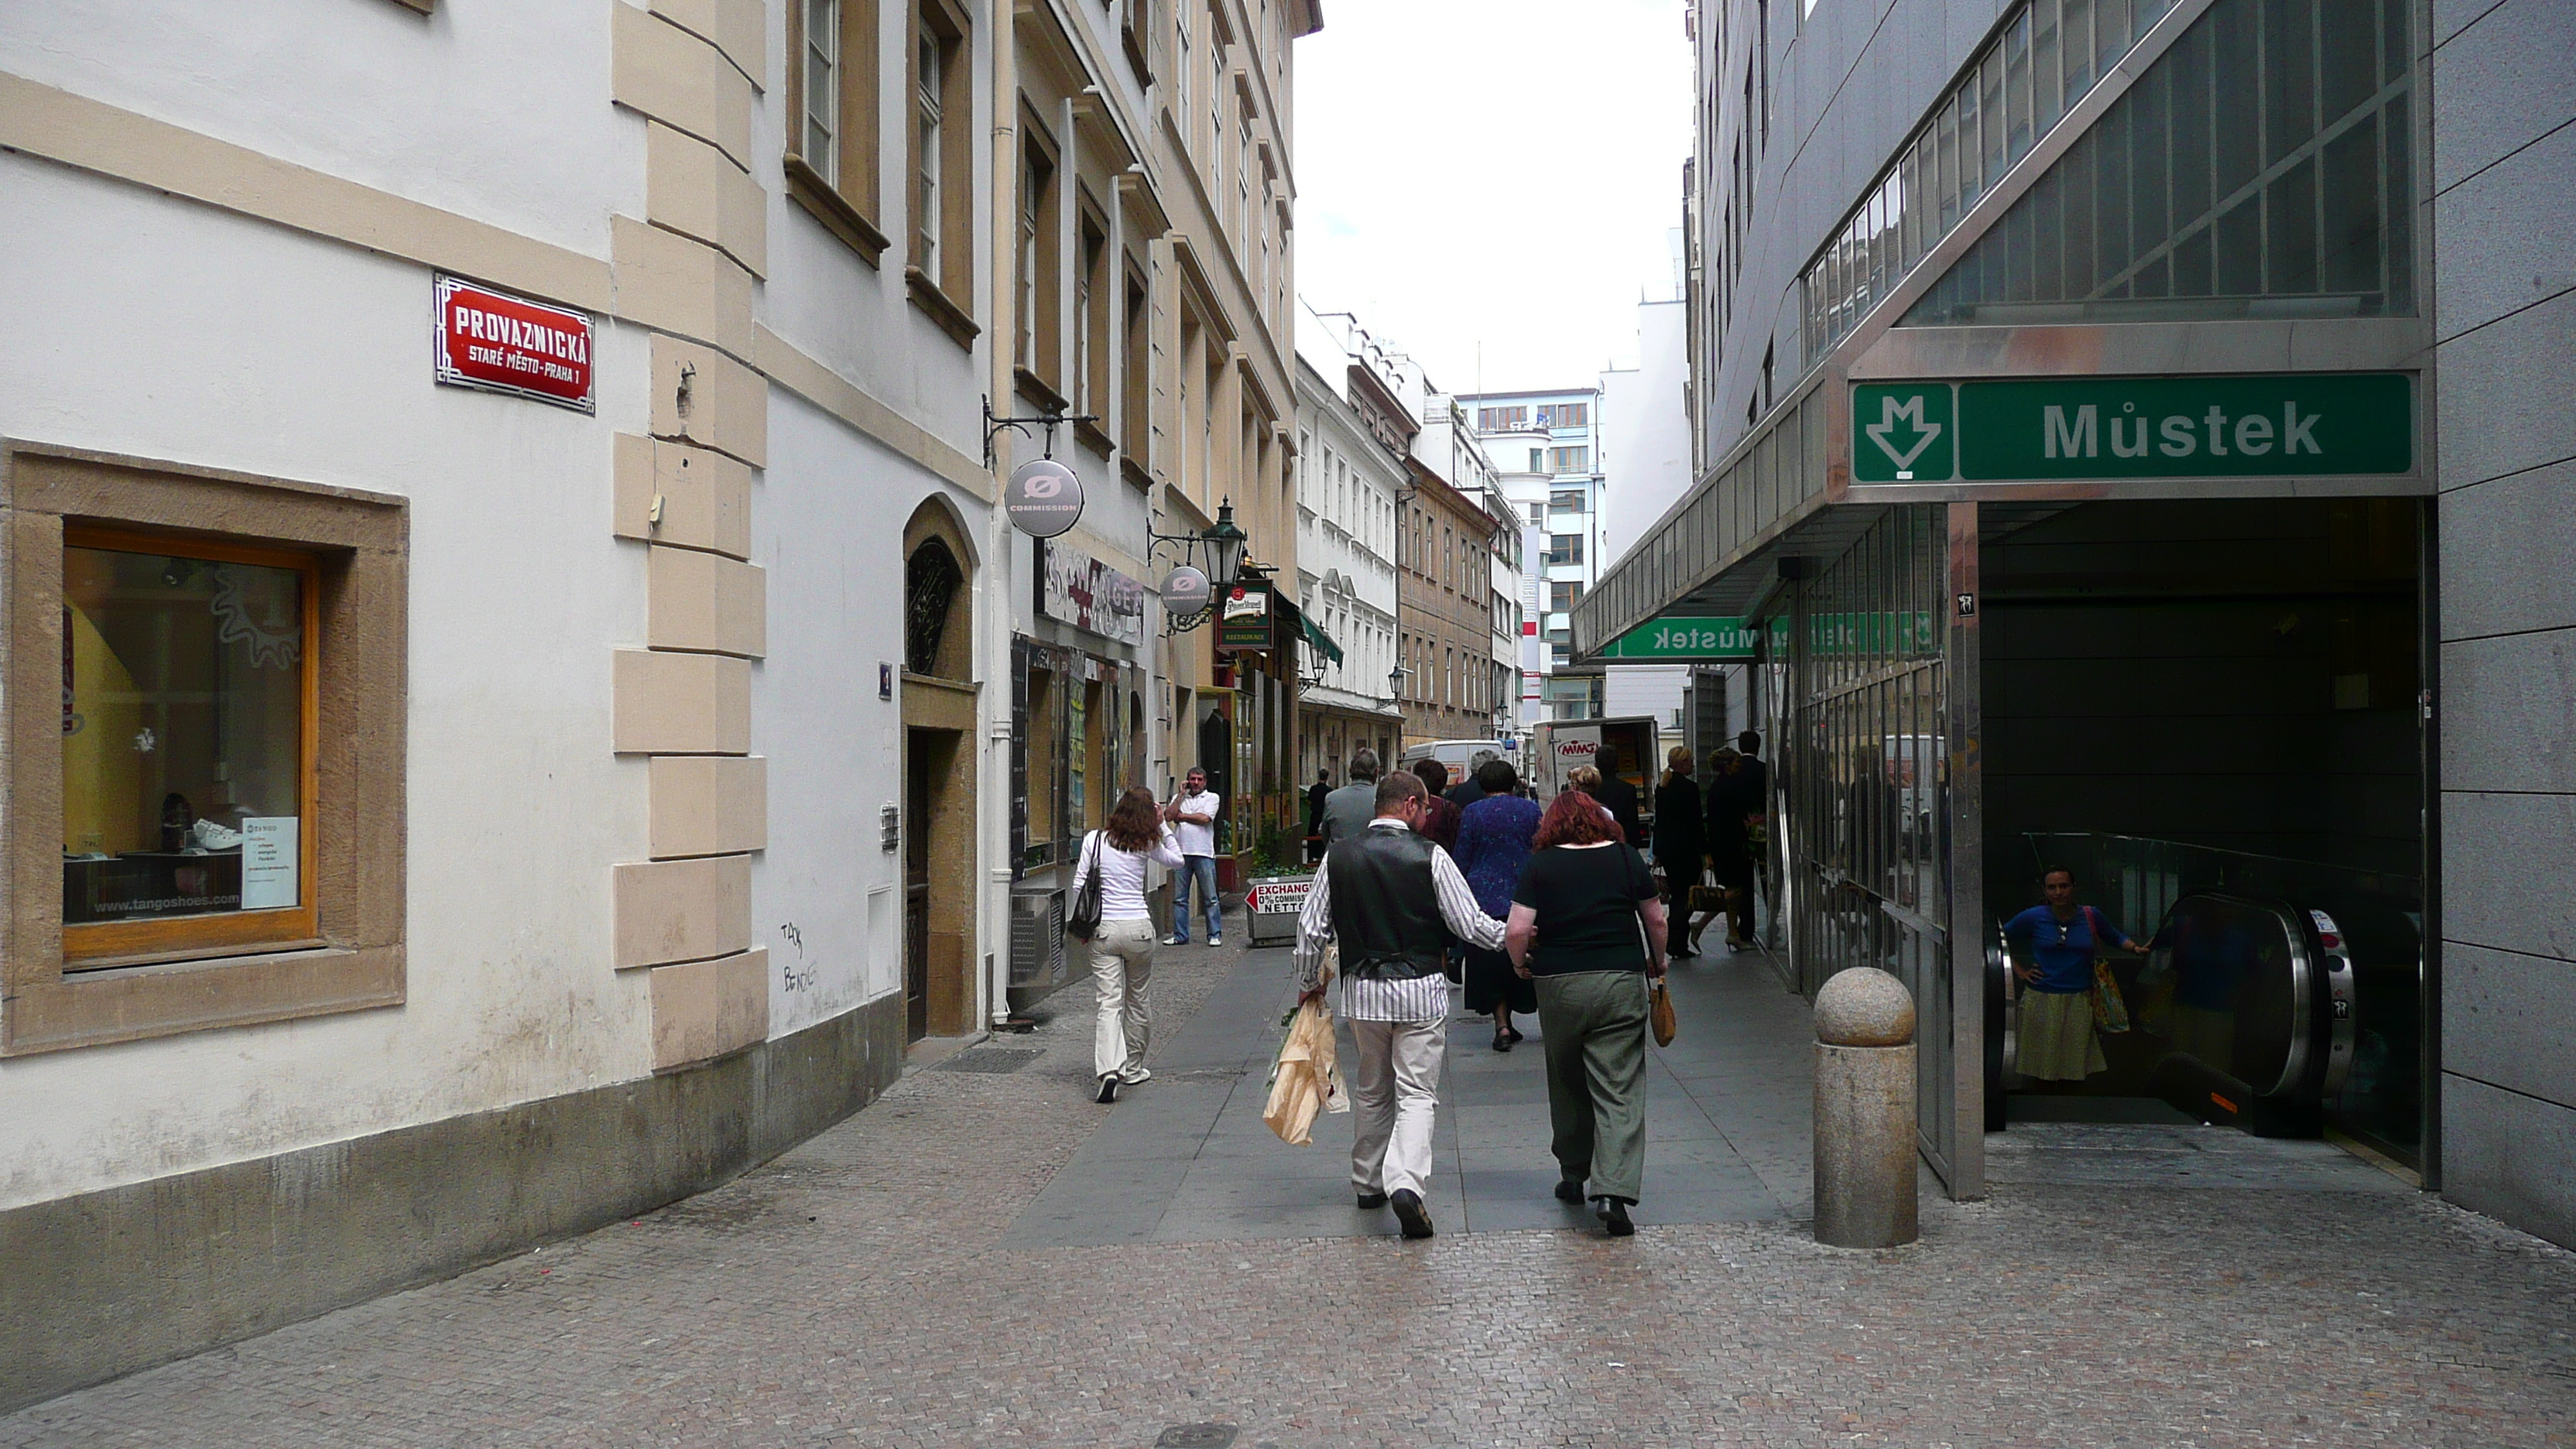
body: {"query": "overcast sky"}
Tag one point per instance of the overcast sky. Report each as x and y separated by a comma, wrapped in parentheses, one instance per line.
(1494, 171)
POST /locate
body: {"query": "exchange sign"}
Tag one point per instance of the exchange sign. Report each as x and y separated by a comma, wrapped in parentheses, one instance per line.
(2048, 429)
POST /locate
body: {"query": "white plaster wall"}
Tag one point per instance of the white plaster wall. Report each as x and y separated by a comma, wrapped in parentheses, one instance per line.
(828, 525)
(495, 109)
(136, 324)
(1645, 431)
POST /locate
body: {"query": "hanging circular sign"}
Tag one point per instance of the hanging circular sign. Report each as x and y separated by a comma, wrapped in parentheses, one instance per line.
(1185, 590)
(1043, 498)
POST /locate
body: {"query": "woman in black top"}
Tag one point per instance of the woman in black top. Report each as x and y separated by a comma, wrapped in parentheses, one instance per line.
(1588, 926)
(1680, 838)
(1732, 798)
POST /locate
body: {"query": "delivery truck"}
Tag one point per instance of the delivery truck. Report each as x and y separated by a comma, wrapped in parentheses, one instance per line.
(1558, 746)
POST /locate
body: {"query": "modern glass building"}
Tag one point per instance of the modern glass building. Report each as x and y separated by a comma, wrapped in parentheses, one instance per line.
(2131, 427)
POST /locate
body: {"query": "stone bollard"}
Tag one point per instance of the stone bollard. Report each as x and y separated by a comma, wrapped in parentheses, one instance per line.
(1864, 1111)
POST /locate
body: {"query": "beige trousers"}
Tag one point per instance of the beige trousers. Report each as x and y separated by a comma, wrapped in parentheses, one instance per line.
(1395, 1086)
(1122, 967)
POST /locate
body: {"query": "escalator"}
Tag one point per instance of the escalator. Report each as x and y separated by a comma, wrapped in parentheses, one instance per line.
(2283, 1016)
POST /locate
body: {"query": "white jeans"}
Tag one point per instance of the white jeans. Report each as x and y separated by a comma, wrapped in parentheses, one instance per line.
(1122, 967)
(1395, 1087)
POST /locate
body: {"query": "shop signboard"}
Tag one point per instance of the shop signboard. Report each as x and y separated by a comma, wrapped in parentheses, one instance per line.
(1043, 498)
(1244, 621)
(495, 342)
(2105, 428)
(1077, 589)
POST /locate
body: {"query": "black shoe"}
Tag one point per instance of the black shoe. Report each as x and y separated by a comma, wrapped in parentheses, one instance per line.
(1108, 1090)
(1504, 1043)
(1684, 949)
(1372, 1201)
(1614, 1218)
(1410, 1212)
(1570, 1190)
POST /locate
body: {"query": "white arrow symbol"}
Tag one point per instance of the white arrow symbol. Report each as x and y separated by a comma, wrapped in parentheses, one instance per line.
(1892, 412)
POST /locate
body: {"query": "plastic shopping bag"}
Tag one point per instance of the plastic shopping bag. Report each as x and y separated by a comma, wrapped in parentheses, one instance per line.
(1307, 1079)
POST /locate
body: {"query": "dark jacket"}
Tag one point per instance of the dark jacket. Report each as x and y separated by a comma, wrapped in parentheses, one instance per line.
(1680, 834)
(1620, 798)
(1386, 910)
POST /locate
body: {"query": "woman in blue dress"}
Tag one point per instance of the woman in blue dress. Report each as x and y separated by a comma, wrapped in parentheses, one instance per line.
(1493, 839)
(2053, 947)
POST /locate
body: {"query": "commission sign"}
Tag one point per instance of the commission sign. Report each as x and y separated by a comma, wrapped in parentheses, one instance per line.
(2050, 429)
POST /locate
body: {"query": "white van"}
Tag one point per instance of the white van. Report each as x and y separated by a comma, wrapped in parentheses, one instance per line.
(1456, 754)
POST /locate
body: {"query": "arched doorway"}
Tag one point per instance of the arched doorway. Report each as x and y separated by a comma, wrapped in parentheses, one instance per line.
(939, 696)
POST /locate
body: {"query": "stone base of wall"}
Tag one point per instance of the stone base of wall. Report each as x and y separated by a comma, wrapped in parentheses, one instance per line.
(117, 1280)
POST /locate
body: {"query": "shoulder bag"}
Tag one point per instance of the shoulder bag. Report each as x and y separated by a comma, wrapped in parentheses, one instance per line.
(1083, 922)
(2110, 1009)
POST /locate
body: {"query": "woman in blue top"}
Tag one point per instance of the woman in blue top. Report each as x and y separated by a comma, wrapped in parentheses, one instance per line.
(2053, 949)
(1493, 839)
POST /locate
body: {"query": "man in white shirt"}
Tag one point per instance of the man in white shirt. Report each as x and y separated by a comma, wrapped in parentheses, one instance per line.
(1392, 899)
(1193, 818)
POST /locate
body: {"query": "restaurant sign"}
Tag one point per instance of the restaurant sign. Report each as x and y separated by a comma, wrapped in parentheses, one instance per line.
(1244, 621)
(1080, 590)
(496, 342)
(2086, 428)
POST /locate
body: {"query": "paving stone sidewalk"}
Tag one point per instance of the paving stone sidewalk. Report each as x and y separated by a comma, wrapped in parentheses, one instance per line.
(875, 1286)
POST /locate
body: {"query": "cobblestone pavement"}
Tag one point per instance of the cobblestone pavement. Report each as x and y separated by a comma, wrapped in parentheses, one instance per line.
(860, 1290)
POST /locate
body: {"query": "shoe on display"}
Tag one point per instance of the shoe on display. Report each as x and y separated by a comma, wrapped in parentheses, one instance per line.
(1108, 1090)
(1410, 1212)
(211, 836)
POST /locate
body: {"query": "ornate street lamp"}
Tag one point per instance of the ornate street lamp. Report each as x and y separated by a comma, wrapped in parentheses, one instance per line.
(1226, 544)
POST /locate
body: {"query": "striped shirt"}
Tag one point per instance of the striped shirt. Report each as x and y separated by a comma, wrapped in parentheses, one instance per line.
(1423, 998)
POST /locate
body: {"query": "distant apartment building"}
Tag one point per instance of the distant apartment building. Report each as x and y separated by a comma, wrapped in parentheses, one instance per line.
(1546, 455)
(1351, 469)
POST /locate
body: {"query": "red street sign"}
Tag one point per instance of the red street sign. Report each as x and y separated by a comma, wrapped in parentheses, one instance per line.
(500, 343)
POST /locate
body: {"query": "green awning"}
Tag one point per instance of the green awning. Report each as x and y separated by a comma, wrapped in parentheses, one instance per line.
(1321, 642)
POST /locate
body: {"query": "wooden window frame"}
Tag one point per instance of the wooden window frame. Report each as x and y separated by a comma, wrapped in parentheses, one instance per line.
(936, 288)
(1037, 266)
(846, 191)
(97, 945)
(1096, 294)
(1136, 418)
(177, 976)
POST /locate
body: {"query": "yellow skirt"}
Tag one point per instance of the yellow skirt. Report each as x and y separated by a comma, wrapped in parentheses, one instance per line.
(2055, 1036)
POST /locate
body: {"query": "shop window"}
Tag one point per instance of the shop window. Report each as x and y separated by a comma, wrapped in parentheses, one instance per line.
(1077, 756)
(1046, 723)
(205, 792)
(831, 162)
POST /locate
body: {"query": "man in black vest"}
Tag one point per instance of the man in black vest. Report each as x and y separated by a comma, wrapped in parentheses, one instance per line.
(1392, 899)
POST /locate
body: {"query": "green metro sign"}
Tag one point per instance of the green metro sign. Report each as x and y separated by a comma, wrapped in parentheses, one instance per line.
(1689, 637)
(2043, 429)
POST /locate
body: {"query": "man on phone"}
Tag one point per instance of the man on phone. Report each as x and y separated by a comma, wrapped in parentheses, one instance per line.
(1193, 817)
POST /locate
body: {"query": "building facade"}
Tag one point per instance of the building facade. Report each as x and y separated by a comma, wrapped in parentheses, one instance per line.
(1546, 451)
(1946, 272)
(1350, 478)
(519, 742)
(1444, 611)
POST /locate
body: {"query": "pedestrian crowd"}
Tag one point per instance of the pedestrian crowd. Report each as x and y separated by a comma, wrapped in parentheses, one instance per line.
(1549, 912)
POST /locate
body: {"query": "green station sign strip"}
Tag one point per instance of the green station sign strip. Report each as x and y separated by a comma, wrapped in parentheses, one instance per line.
(2050, 429)
(1692, 639)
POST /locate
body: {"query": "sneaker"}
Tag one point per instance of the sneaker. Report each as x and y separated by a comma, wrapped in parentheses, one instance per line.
(1108, 1090)
(1133, 1075)
(1176, 940)
(1410, 1212)
(1216, 940)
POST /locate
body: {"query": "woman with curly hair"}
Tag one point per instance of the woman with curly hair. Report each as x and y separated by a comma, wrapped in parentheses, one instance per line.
(1588, 926)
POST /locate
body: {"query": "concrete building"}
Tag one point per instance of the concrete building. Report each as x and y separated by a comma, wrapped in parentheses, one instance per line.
(1445, 610)
(1948, 266)
(1645, 465)
(1545, 454)
(486, 792)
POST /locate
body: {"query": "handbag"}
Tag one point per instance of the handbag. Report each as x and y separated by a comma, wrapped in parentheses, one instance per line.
(1083, 922)
(2110, 1009)
(1659, 1013)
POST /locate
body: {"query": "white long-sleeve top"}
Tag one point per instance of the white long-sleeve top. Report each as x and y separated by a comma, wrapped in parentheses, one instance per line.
(1122, 873)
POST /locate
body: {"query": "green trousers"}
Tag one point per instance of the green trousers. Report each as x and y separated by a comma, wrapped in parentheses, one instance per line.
(1593, 1024)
